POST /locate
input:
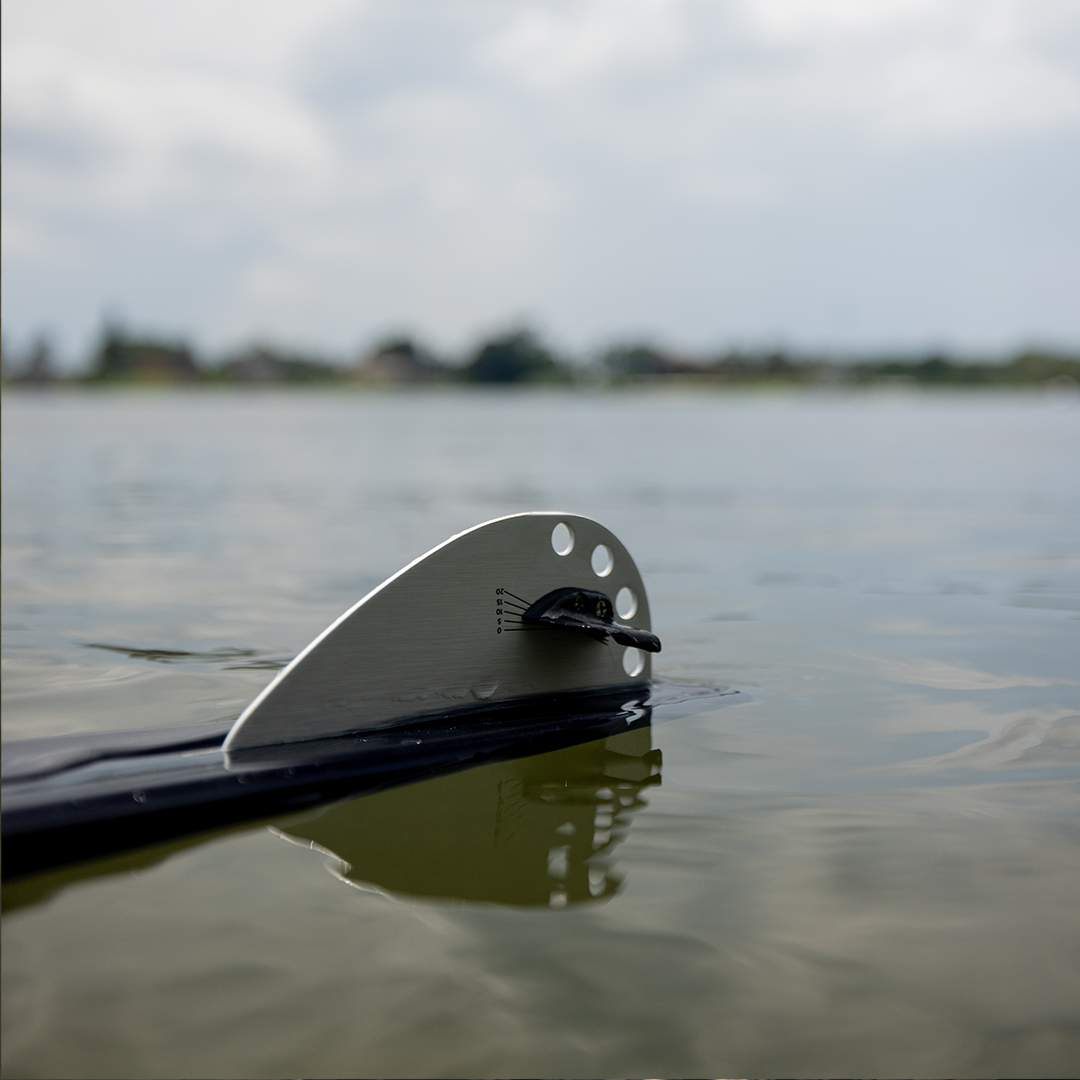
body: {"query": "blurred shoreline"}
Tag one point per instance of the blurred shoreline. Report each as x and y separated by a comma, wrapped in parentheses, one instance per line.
(521, 359)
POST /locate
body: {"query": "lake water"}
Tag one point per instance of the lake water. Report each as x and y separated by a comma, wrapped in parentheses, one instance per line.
(868, 866)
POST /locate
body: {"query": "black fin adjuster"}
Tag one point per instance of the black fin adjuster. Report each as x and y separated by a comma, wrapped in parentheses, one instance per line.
(590, 611)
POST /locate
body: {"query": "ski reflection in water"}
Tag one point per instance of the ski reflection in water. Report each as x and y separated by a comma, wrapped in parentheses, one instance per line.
(538, 831)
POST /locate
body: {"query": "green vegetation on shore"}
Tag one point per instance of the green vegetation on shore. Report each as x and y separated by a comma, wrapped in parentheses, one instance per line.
(521, 358)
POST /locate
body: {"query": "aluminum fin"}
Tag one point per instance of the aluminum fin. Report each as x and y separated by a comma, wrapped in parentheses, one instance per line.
(447, 632)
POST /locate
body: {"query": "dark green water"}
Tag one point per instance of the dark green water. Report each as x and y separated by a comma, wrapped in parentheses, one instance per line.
(869, 867)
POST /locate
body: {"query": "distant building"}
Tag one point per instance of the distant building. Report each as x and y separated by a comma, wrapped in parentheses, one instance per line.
(261, 366)
(257, 366)
(398, 362)
(637, 361)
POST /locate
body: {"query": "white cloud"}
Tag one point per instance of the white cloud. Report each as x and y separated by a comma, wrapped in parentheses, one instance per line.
(824, 21)
(927, 69)
(975, 92)
(916, 69)
(153, 101)
(24, 237)
(557, 45)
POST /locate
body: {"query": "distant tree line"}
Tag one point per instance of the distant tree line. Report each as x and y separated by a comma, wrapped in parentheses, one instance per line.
(520, 357)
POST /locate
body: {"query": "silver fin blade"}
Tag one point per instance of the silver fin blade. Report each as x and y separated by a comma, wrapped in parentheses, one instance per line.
(447, 631)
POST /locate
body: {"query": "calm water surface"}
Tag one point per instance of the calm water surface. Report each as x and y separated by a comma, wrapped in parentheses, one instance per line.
(868, 866)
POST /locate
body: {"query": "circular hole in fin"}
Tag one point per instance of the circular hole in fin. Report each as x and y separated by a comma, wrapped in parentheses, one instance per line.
(562, 539)
(603, 562)
(633, 662)
(626, 603)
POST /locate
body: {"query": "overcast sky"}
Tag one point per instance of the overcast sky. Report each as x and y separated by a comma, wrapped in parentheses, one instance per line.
(841, 174)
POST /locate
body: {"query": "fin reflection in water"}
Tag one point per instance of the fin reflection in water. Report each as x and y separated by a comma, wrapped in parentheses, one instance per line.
(535, 831)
